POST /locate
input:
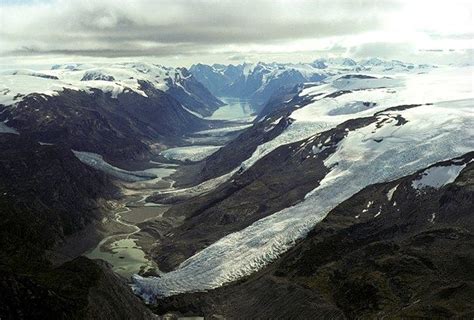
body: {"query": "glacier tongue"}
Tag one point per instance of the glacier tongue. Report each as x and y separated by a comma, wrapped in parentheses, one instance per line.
(432, 133)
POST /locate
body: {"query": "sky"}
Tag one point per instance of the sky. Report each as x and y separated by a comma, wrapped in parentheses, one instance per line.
(183, 32)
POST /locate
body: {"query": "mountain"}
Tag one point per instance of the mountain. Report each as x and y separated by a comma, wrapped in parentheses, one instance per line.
(46, 193)
(349, 195)
(331, 140)
(259, 81)
(120, 77)
(114, 79)
(78, 289)
(118, 111)
(191, 93)
(255, 82)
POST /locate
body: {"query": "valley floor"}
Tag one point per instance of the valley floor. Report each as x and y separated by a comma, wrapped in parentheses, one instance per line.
(126, 237)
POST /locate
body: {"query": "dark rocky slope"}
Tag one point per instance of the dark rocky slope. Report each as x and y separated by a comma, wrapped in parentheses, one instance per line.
(118, 128)
(280, 100)
(412, 261)
(46, 194)
(78, 289)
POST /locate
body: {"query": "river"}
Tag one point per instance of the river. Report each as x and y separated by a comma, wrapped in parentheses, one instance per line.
(121, 249)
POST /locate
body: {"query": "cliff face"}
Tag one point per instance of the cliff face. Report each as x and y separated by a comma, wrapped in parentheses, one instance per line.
(392, 250)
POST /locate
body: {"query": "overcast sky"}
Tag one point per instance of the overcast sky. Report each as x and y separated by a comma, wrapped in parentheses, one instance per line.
(182, 32)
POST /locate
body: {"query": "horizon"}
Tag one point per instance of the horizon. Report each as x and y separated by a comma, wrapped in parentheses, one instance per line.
(47, 62)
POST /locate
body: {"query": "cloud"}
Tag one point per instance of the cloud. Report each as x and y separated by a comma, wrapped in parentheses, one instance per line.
(188, 31)
(238, 57)
(388, 50)
(146, 27)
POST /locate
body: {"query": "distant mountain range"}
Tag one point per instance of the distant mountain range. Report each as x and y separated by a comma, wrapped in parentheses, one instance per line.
(259, 81)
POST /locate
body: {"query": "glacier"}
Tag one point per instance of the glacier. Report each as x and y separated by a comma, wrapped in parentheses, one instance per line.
(441, 127)
(96, 161)
(440, 85)
(191, 153)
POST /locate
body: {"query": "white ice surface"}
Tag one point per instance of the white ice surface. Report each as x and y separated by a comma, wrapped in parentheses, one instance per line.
(191, 153)
(222, 131)
(446, 85)
(126, 77)
(192, 112)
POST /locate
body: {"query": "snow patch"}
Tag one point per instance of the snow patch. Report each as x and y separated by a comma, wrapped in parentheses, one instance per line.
(274, 123)
(6, 129)
(436, 177)
(391, 192)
